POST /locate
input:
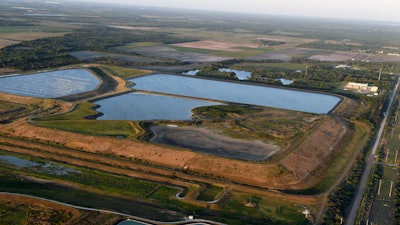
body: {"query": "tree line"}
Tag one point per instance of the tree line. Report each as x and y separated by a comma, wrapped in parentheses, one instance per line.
(54, 52)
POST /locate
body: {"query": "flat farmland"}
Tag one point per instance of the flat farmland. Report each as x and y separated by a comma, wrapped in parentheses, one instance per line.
(27, 33)
(335, 56)
(285, 54)
(94, 55)
(217, 45)
(171, 53)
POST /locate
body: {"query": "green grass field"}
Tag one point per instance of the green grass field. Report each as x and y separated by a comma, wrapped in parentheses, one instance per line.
(11, 214)
(23, 29)
(193, 50)
(210, 193)
(124, 72)
(141, 44)
(284, 66)
(74, 121)
(266, 211)
(92, 127)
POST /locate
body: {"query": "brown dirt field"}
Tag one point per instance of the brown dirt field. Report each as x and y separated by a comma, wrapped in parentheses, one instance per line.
(5, 43)
(7, 70)
(217, 45)
(312, 153)
(263, 175)
(78, 217)
(15, 200)
(206, 141)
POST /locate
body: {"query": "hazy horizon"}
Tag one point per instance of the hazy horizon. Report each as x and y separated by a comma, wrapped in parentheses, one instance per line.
(384, 10)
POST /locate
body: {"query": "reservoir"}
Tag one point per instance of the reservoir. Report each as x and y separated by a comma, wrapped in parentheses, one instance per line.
(140, 106)
(239, 93)
(52, 84)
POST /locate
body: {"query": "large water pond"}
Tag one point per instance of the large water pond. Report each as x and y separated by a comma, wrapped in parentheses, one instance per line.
(52, 84)
(239, 93)
(140, 106)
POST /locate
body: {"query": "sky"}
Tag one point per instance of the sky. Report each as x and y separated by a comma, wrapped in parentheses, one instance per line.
(386, 10)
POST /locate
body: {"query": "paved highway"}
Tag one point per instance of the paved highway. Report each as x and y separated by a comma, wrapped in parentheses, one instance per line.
(360, 191)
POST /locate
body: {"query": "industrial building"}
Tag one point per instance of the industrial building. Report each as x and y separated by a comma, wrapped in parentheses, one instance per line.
(362, 88)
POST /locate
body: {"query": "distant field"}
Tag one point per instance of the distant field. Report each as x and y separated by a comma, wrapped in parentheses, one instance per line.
(179, 53)
(94, 55)
(26, 33)
(138, 44)
(216, 45)
(283, 65)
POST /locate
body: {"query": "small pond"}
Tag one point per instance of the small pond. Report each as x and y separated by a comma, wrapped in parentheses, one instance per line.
(51, 84)
(140, 106)
(238, 93)
(12, 160)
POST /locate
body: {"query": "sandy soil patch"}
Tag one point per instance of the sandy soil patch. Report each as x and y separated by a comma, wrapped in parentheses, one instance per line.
(7, 70)
(5, 43)
(316, 149)
(217, 45)
(206, 141)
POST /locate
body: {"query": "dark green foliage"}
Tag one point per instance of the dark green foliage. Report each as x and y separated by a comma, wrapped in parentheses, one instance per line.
(212, 71)
(339, 201)
(54, 52)
(222, 112)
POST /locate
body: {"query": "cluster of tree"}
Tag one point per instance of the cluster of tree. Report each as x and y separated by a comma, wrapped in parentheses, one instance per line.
(339, 201)
(397, 205)
(213, 71)
(54, 52)
(271, 42)
(9, 23)
(336, 47)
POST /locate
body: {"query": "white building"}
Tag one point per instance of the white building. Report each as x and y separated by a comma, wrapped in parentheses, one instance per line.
(361, 88)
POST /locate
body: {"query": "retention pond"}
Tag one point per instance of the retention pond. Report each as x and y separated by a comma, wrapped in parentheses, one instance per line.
(239, 93)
